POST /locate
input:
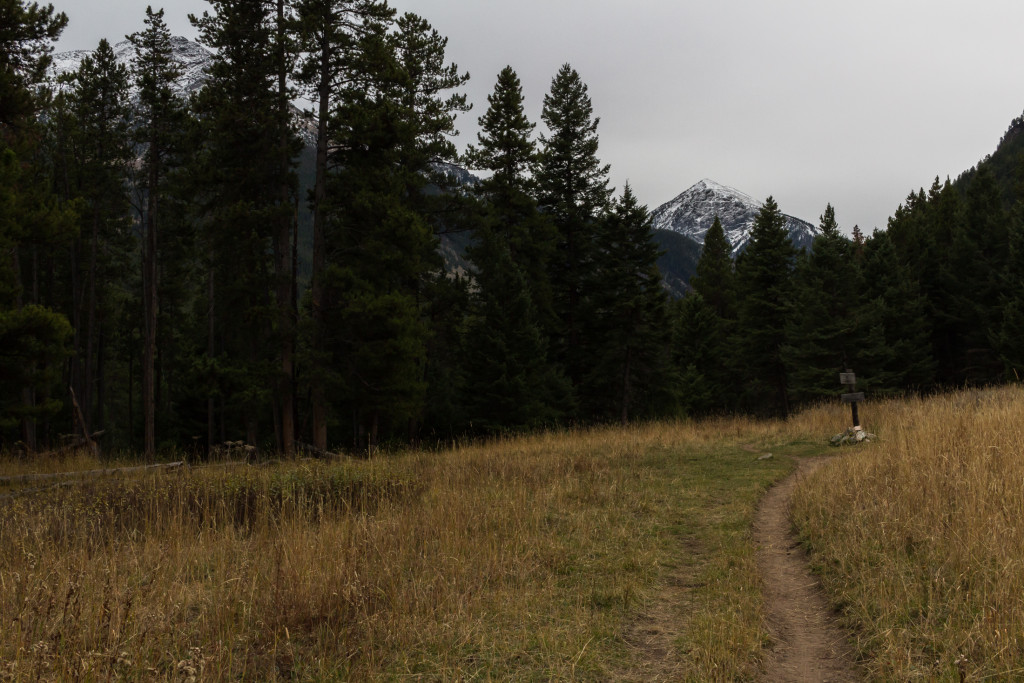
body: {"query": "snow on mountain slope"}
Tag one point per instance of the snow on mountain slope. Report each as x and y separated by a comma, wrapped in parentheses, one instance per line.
(191, 57)
(693, 212)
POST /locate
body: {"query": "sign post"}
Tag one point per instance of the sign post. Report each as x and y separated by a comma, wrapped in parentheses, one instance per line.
(848, 379)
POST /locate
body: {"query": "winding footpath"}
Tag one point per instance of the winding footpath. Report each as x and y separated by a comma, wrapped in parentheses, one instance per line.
(809, 646)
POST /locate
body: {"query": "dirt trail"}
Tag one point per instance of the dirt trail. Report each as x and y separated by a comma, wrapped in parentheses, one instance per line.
(809, 646)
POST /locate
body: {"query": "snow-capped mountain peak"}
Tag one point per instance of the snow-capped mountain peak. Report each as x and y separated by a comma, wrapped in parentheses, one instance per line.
(693, 212)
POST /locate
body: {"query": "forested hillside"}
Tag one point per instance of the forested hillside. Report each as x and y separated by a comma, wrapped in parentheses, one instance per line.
(153, 287)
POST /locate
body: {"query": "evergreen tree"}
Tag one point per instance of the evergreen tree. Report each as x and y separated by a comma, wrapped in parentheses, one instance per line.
(764, 277)
(705, 321)
(159, 123)
(824, 333)
(249, 199)
(510, 383)
(631, 371)
(507, 152)
(512, 247)
(34, 339)
(715, 279)
(27, 32)
(392, 124)
(101, 153)
(1009, 340)
(905, 361)
(329, 33)
(505, 148)
(287, 149)
(700, 352)
(572, 186)
(979, 258)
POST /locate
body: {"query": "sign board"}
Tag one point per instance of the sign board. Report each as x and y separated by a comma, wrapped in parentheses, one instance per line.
(853, 398)
(847, 378)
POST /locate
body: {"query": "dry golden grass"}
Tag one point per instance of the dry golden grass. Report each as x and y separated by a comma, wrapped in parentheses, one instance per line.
(920, 537)
(531, 558)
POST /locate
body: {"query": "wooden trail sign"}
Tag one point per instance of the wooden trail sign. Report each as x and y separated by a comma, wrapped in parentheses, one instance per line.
(849, 379)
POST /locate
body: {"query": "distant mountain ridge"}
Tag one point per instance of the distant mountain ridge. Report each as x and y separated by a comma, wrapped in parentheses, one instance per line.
(693, 211)
(191, 57)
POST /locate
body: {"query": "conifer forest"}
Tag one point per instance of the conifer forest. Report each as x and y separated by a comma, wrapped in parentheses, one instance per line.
(181, 271)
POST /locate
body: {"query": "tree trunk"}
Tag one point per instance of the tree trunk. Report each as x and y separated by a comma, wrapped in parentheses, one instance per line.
(283, 260)
(90, 333)
(150, 296)
(77, 297)
(318, 397)
(211, 424)
(131, 402)
(626, 385)
(101, 385)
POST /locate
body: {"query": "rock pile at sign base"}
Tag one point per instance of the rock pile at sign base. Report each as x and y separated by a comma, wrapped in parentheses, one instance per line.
(852, 436)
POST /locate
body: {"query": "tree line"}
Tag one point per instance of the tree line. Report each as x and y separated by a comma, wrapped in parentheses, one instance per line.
(155, 287)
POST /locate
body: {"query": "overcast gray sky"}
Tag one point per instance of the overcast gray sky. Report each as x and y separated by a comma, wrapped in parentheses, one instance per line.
(811, 101)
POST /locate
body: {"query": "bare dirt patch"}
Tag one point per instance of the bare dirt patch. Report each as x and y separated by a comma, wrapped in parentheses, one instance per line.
(809, 646)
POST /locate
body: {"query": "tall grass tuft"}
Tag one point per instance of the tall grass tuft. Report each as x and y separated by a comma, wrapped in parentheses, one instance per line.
(919, 537)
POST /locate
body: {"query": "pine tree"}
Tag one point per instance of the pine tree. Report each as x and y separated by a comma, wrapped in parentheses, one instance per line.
(823, 329)
(510, 371)
(979, 257)
(35, 338)
(764, 277)
(510, 383)
(507, 152)
(904, 361)
(572, 187)
(631, 371)
(27, 33)
(1009, 340)
(287, 149)
(159, 123)
(249, 204)
(329, 33)
(714, 278)
(700, 352)
(101, 151)
(392, 123)
(505, 148)
(705, 321)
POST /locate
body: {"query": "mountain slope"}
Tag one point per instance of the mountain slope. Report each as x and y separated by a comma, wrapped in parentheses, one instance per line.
(1006, 164)
(692, 213)
(678, 261)
(190, 56)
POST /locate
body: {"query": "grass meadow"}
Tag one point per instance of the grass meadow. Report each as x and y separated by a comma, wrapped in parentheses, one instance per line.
(533, 558)
(591, 555)
(919, 538)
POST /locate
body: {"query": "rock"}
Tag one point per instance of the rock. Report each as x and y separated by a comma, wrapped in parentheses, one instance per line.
(852, 436)
(766, 456)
